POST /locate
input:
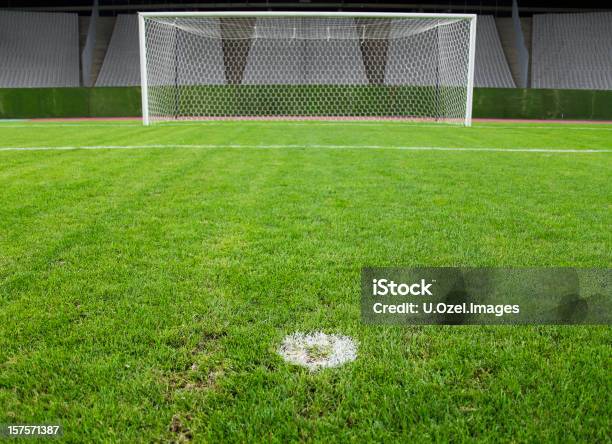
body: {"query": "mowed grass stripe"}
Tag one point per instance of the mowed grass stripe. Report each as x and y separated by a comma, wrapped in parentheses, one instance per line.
(76, 211)
(493, 126)
(82, 194)
(281, 147)
(51, 197)
(128, 286)
(283, 134)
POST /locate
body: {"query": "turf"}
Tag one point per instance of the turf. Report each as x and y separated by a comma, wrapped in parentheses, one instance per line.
(144, 292)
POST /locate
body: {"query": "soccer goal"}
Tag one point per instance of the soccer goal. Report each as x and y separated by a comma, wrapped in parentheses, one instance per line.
(315, 65)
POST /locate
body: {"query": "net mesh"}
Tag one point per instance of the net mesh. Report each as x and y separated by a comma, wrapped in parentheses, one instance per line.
(307, 67)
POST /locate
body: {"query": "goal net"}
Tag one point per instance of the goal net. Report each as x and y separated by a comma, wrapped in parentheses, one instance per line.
(307, 65)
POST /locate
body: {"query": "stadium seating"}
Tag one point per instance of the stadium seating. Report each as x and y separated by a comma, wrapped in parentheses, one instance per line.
(417, 42)
(518, 57)
(121, 65)
(572, 51)
(200, 63)
(290, 61)
(41, 50)
(38, 49)
(491, 66)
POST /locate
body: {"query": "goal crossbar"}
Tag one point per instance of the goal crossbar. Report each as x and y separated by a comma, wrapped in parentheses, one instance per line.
(307, 14)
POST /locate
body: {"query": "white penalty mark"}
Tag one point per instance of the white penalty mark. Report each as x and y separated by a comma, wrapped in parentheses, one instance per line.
(318, 350)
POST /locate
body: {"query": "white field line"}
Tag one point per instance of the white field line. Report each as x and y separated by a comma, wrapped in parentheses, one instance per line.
(281, 147)
(551, 126)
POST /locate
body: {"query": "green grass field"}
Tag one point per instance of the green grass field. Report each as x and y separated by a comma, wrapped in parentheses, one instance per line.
(141, 285)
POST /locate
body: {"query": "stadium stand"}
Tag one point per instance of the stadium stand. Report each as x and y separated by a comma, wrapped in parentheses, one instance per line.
(507, 35)
(121, 65)
(491, 66)
(104, 31)
(415, 41)
(290, 61)
(572, 51)
(200, 63)
(38, 49)
(201, 59)
(42, 50)
(282, 56)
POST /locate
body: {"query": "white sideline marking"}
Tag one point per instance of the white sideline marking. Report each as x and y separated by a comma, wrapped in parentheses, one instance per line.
(335, 147)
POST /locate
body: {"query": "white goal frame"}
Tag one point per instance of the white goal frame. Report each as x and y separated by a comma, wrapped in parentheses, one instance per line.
(142, 16)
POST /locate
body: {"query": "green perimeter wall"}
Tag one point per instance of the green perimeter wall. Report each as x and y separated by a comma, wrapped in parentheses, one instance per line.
(23, 103)
(28, 103)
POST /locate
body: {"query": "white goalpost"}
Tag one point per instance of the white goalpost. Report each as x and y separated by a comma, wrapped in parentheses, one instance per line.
(307, 65)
